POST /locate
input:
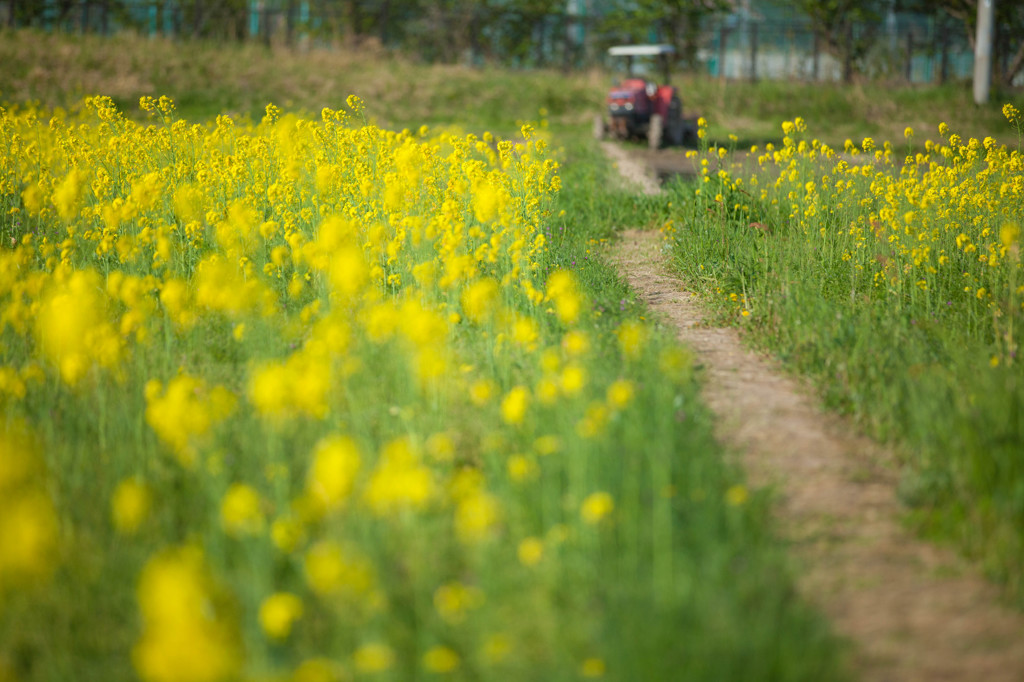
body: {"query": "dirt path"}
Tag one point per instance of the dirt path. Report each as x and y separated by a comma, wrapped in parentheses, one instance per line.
(912, 610)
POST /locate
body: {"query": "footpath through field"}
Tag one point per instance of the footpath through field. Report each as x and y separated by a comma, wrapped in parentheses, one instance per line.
(912, 611)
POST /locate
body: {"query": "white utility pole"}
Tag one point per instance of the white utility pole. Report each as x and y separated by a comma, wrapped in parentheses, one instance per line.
(983, 50)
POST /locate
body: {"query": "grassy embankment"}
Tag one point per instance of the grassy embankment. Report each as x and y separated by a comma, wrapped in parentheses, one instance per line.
(309, 400)
(206, 80)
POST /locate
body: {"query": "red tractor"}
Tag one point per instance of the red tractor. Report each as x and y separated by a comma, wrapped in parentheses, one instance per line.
(641, 109)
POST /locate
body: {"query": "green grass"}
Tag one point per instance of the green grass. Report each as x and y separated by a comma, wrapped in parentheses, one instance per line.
(754, 111)
(919, 346)
(206, 79)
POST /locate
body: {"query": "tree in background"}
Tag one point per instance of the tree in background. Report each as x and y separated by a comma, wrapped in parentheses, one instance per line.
(1008, 50)
(846, 28)
(676, 22)
(513, 32)
(445, 30)
(517, 32)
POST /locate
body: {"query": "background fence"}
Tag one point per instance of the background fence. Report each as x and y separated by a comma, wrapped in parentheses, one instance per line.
(908, 48)
(915, 50)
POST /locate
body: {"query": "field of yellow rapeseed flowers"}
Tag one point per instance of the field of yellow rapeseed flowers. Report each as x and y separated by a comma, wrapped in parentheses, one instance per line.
(893, 273)
(342, 269)
(314, 400)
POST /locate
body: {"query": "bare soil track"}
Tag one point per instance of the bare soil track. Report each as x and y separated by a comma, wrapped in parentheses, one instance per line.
(912, 611)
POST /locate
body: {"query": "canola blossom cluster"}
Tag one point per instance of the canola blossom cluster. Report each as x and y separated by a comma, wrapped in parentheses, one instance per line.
(938, 226)
(312, 376)
(892, 274)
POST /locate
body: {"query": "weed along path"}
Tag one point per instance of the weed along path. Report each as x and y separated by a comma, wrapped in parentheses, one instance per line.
(912, 611)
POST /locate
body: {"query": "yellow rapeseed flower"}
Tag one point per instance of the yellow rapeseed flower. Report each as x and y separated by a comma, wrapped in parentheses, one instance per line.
(1009, 234)
(373, 657)
(399, 482)
(441, 447)
(476, 516)
(573, 379)
(547, 445)
(332, 474)
(185, 412)
(130, 505)
(521, 468)
(594, 420)
(562, 290)
(68, 194)
(596, 507)
(241, 512)
(736, 495)
(454, 600)
(319, 670)
(1011, 113)
(619, 393)
(547, 391)
(479, 300)
(530, 551)
(488, 201)
(183, 610)
(514, 405)
(576, 343)
(73, 330)
(632, 336)
(592, 668)
(278, 613)
(441, 659)
(286, 533)
(32, 197)
(28, 525)
(496, 648)
(349, 272)
(22, 463)
(329, 570)
(525, 332)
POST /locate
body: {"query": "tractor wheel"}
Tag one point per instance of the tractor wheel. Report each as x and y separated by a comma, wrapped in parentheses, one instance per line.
(656, 131)
(690, 136)
(674, 123)
(600, 127)
(675, 130)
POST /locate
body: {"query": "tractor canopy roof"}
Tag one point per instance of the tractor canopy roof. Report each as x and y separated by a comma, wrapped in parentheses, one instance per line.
(640, 50)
